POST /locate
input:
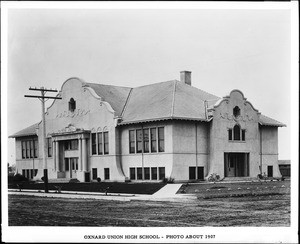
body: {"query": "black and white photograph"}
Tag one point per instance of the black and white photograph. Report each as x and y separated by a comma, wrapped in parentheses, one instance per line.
(149, 122)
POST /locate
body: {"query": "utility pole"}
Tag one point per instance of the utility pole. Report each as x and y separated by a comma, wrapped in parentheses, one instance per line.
(43, 98)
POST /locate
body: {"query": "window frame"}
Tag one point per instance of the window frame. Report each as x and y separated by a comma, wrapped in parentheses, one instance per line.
(146, 140)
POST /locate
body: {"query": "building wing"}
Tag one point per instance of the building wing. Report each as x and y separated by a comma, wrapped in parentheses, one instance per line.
(264, 120)
(29, 131)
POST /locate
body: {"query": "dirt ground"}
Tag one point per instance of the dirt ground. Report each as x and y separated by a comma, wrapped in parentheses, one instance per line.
(273, 210)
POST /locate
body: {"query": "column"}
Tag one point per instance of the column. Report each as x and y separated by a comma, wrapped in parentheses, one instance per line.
(54, 154)
(57, 156)
(80, 154)
(84, 155)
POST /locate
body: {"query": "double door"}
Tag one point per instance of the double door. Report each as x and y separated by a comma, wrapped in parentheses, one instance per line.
(71, 165)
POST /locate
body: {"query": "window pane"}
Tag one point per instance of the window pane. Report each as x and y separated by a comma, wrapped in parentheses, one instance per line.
(106, 173)
(230, 134)
(139, 139)
(66, 164)
(100, 144)
(147, 173)
(94, 173)
(192, 173)
(153, 140)
(236, 132)
(27, 149)
(94, 145)
(161, 171)
(131, 141)
(74, 145)
(154, 173)
(49, 143)
(243, 135)
(23, 149)
(35, 148)
(132, 173)
(106, 145)
(31, 149)
(146, 140)
(139, 174)
(161, 139)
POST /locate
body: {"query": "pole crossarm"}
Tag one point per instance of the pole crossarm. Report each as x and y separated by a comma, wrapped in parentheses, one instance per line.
(42, 89)
(32, 96)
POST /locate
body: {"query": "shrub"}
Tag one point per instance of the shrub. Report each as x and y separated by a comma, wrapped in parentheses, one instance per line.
(214, 177)
(168, 180)
(99, 179)
(19, 178)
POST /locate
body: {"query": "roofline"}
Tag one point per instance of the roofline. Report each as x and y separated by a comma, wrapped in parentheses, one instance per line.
(161, 119)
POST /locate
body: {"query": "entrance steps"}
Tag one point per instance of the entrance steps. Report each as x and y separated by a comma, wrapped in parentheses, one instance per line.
(239, 179)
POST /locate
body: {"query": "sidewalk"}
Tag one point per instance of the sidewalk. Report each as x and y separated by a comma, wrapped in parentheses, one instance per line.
(167, 193)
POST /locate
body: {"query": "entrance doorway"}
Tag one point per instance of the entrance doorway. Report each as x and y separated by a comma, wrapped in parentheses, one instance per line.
(71, 165)
(236, 164)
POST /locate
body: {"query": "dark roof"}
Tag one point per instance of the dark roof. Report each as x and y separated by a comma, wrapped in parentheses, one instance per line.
(116, 96)
(264, 120)
(29, 131)
(284, 161)
(166, 100)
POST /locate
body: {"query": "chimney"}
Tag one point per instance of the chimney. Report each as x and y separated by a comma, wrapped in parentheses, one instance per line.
(185, 77)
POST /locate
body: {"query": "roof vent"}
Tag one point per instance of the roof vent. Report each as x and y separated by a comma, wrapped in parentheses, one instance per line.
(185, 77)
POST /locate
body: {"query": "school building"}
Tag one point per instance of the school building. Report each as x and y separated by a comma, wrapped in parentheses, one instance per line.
(147, 133)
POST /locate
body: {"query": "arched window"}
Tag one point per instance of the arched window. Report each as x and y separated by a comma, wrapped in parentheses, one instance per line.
(236, 111)
(72, 105)
(237, 133)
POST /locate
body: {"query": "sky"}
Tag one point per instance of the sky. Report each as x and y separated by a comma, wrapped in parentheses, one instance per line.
(226, 49)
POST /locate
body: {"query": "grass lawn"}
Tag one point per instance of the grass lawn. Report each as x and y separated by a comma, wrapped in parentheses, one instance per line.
(273, 210)
(237, 189)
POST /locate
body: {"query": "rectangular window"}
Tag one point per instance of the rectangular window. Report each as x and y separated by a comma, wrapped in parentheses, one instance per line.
(147, 173)
(35, 172)
(23, 172)
(153, 173)
(74, 145)
(94, 173)
(230, 134)
(161, 139)
(146, 140)
(131, 141)
(66, 164)
(139, 173)
(49, 147)
(106, 145)
(100, 144)
(139, 140)
(94, 144)
(106, 173)
(35, 142)
(27, 149)
(23, 149)
(161, 172)
(192, 173)
(27, 173)
(153, 140)
(243, 135)
(132, 173)
(31, 149)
